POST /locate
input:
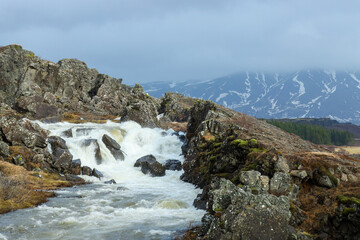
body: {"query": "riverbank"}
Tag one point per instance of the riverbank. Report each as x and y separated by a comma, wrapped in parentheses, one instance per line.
(20, 188)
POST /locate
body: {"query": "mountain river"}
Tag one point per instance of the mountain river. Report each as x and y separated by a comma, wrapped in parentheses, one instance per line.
(138, 206)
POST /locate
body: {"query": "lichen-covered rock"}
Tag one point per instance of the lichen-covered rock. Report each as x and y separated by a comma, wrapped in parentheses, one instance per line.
(244, 215)
(22, 132)
(4, 149)
(250, 178)
(280, 183)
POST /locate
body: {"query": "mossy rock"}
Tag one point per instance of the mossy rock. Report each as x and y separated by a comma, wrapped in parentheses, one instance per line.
(240, 143)
(348, 200)
(347, 211)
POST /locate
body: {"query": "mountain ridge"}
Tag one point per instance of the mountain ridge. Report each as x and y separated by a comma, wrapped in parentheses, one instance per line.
(299, 94)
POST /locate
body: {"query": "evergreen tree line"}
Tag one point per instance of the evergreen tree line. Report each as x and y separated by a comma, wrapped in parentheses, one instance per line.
(315, 133)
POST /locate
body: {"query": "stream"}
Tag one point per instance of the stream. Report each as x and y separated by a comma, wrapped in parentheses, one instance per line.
(138, 206)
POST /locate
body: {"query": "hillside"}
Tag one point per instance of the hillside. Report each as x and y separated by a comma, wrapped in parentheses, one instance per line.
(257, 181)
(302, 94)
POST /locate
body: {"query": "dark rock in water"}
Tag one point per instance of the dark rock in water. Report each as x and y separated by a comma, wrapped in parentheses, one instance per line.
(97, 173)
(109, 142)
(112, 181)
(85, 170)
(200, 202)
(76, 167)
(57, 142)
(67, 133)
(113, 146)
(83, 131)
(173, 164)
(147, 158)
(75, 179)
(149, 164)
(163, 133)
(88, 142)
(122, 188)
(181, 137)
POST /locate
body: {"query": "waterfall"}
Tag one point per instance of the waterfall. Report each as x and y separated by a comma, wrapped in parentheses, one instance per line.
(138, 206)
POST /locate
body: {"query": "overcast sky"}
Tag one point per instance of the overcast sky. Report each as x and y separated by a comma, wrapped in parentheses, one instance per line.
(172, 40)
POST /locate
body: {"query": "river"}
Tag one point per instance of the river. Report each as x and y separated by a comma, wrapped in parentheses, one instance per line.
(138, 206)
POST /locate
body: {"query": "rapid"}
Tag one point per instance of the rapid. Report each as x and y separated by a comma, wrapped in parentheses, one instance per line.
(138, 206)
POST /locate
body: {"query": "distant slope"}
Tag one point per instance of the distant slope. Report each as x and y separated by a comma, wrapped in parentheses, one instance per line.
(310, 94)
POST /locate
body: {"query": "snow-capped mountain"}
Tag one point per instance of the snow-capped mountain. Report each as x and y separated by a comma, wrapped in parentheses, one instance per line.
(311, 93)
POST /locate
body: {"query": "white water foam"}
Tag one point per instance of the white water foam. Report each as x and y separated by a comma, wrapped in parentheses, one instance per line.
(137, 207)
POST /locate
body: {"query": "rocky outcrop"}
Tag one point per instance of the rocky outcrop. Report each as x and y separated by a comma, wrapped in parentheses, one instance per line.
(42, 89)
(259, 182)
(149, 165)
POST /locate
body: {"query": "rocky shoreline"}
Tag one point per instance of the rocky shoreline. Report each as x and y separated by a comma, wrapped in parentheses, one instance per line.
(258, 182)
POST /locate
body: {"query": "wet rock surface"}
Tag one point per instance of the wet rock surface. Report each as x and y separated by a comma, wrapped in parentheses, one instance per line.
(113, 146)
(149, 165)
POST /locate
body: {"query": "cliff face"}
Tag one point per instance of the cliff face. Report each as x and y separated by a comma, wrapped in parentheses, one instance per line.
(258, 181)
(41, 89)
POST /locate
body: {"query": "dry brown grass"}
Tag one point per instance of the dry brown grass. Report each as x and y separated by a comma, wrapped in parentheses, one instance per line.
(21, 189)
(84, 118)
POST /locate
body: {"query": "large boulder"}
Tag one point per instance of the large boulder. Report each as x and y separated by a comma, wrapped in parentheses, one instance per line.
(149, 165)
(280, 183)
(113, 146)
(243, 215)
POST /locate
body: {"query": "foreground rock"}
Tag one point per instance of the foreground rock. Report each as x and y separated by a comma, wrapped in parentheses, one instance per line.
(149, 165)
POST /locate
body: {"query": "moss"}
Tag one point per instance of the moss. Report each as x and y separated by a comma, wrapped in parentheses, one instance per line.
(218, 210)
(253, 141)
(240, 185)
(222, 175)
(325, 172)
(346, 200)
(30, 55)
(217, 144)
(257, 150)
(249, 167)
(239, 142)
(203, 145)
(230, 138)
(212, 139)
(212, 158)
(346, 211)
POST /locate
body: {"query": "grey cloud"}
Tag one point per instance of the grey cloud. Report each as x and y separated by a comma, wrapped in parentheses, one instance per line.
(142, 40)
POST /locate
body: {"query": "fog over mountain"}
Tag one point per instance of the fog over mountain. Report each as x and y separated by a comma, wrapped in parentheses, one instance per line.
(310, 93)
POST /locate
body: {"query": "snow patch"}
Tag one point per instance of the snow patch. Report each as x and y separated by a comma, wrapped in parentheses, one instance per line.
(356, 79)
(222, 95)
(301, 86)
